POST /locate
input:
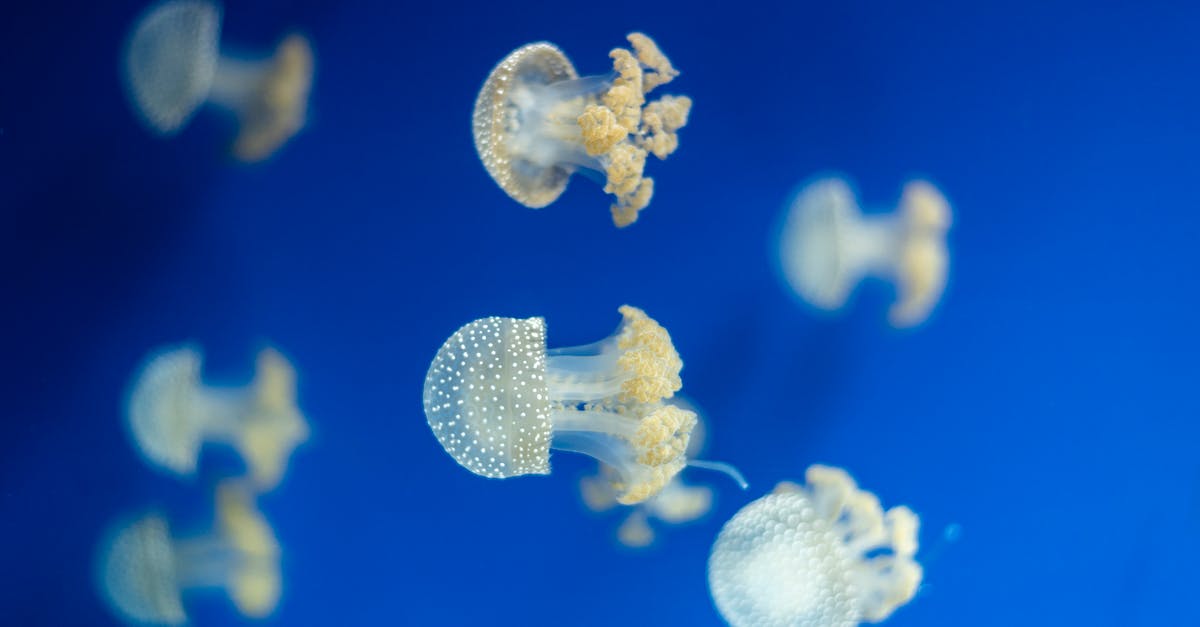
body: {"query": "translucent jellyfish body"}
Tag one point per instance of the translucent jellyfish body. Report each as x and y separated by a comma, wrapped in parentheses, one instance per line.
(828, 246)
(677, 503)
(144, 570)
(172, 414)
(823, 554)
(173, 64)
(498, 400)
(537, 122)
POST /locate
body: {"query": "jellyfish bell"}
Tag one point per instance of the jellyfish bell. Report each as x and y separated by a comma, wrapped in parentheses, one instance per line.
(171, 60)
(144, 570)
(815, 555)
(173, 64)
(498, 400)
(536, 122)
(171, 414)
(827, 246)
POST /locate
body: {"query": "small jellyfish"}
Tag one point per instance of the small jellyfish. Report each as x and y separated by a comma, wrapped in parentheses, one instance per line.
(820, 555)
(173, 64)
(172, 414)
(144, 570)
(498, 400)
(828, 246)
(677, 503)
(536, 123)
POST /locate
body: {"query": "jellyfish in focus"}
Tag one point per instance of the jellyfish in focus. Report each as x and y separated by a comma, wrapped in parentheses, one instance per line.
(173, 64)
(498, 400)
(144, 570)
(823, 554)
(828, 246)
(172, 414)
(677, 503)
(536, 123)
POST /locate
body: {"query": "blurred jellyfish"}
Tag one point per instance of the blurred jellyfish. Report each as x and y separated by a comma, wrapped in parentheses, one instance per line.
(172, 414)
(498, 401)
(173, 65)
(820, 555)
(828, 246)
(536, 123)
(677, 503)
(144, 570)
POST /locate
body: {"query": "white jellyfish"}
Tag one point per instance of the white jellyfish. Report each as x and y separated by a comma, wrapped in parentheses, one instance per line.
(820, 555)
(498, 400)
(828, 246)
(172, 414)
(144, 570)
(173, 64)
(677, 503)
(536, 123)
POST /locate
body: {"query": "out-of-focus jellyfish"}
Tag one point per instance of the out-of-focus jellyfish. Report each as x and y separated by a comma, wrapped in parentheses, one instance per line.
(172, 414)
(823, 554)
(677, 503)
(498, 400)
(828, 246)
(144, 570)
(173, 64)
(537, 122)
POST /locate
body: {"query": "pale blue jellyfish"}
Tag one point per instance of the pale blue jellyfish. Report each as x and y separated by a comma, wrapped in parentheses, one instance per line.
(536, 123)
(173, 64)
(144, 570)
(823, 554)
(498, 400)
(828, 245)
(171, 415)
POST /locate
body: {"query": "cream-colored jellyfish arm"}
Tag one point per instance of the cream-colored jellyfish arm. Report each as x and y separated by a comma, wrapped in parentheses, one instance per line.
(924, 261)
(275, 383)
(649, 359)
(255, 585)
(274, 425)
(620, 132)
(279, 108)
(891, 576)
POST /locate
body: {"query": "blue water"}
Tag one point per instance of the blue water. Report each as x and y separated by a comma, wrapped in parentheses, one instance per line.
(1048, 409)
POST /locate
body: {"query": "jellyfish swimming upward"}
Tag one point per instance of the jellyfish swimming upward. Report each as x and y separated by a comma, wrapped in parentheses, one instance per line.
(498, 401)
(823, 554)
(173, 64)
(144, 570)
(537, 122)
(828, 246)
(172, 414)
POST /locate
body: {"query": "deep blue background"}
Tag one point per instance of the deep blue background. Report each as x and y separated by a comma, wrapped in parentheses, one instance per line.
(1049, 407)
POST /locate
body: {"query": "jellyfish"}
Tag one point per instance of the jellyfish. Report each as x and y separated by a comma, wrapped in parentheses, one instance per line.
(498, 400)
(828, 246)
(536, 123)
(823, 554)
(172, 414)
(677, 503)
(144, 570)
(173, 64)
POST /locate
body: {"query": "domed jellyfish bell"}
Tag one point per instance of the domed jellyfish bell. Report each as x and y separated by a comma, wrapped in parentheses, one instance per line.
(815, 555)
(172, 414)
(173, 64)
(143, 570)
(498, 400)
(679, 502)
(536, 123)
(827, 246)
